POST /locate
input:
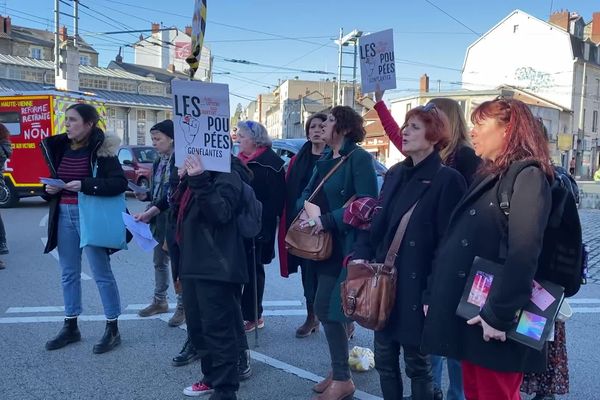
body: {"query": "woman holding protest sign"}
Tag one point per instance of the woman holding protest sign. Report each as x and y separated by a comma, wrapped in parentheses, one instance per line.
(268, 182)
(212, 268)
(353, 176)
(86, 159)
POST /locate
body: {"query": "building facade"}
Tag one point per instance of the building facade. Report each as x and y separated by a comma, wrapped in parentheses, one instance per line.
(167, 49)
(557, 60)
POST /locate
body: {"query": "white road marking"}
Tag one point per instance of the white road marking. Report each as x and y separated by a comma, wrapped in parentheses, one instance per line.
(14, 310)
(583, 301)
(282, 303)
(583, 310)
(49, 318)
(44, 220)
(274, 303)
(54, 253)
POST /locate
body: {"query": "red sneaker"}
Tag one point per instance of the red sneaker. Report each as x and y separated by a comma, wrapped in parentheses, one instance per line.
(250, 326)
(198, 389)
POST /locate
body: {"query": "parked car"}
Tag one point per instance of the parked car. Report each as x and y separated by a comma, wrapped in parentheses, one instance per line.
(287, 148)
(137, 163)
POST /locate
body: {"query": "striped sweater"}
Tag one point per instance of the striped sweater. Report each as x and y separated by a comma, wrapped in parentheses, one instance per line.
(74, 166)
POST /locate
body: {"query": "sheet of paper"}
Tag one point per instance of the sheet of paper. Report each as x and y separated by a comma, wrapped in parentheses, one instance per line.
(136, 188)
(140, 231)
(53, 182)
(312, 210)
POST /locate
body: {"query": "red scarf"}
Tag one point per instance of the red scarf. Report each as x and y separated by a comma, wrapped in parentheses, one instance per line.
(245, 159)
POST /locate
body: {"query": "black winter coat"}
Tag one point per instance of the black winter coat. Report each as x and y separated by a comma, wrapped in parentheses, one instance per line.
(465, 161)
(268, 183)
(109, 181)
(211, 247)
(476, 228)
(438, 189)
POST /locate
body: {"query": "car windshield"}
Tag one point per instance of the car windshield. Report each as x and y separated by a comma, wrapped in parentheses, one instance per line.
(145, 154)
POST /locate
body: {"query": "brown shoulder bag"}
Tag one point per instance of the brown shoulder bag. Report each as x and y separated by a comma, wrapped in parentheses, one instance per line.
(369, 291)
(300, 241)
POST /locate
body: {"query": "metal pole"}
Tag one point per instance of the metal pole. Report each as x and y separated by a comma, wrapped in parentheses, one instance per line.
(76, 22)
(581, 133)
(354, 73)
(56, 39)
(340, 60)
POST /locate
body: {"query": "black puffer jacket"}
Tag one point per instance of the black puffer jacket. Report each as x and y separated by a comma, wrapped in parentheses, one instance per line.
(211, 246)
(109, 181)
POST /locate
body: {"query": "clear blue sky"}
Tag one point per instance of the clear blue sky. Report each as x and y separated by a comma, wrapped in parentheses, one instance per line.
(299, 33)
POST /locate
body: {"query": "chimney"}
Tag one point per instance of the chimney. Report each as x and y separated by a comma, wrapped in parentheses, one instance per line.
(171, 68)
(62, 33)
(188, 30)
(7, 25)
(155, 27)
(119, 57)
(424, 84)
(2, 26)
(595, 28)
(560, 19)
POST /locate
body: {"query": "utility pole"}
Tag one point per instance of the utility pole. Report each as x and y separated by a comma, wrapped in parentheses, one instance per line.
(76, 23)
(338, 99)
(351, 39)
(581, 125)
(56, 38)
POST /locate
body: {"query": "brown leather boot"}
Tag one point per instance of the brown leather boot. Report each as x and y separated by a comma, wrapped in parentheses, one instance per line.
(310, 325)
(156, 307)
(338, 390)
(324, 384)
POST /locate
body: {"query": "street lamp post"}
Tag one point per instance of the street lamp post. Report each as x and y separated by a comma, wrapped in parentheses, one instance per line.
(350, 39)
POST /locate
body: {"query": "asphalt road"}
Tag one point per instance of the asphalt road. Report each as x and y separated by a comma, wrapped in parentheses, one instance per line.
(283, 368)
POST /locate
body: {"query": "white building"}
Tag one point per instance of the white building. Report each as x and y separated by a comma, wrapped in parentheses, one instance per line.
(557, 60)
(167, 49)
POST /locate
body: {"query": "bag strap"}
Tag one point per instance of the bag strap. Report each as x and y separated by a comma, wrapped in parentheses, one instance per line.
(392, 253)
(331, 171)
(507, 183)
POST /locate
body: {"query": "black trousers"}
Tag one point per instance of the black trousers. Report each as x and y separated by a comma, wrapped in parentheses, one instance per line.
(2, 230)
(214, 325)
(256, 273)
(387, 364)
(310, 280)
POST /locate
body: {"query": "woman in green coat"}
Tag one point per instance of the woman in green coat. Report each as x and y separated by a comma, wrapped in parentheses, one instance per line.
(356, 176)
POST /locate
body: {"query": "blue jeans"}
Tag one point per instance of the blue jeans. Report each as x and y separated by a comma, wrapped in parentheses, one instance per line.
(455, 389)
(69, 258)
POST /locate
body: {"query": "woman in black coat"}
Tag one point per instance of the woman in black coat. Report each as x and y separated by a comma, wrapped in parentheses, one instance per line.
(212, 268)
(268, 183)
(504, 133)
(423, 181)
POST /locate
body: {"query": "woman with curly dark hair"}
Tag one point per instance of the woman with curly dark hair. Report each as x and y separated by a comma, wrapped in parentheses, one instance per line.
(355, 177)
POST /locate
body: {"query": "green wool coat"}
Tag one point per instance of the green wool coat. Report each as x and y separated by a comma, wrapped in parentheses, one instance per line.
(356, 176)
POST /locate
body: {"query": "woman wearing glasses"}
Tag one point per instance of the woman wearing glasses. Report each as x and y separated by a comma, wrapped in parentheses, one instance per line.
(268, 183)
(423, 192)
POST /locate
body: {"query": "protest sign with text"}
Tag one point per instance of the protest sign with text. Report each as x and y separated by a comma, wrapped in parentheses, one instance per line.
(377, 65)
(201, 120)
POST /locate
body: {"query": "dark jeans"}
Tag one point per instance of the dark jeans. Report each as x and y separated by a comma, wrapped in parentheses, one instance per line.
(256, 273)
(387, 363)
(335, 331)
(213, 322)
(2, 231)
(309, 280)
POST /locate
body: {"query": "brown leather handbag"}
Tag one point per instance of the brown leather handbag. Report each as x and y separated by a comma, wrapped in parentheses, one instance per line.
(300, 241)
(369, 291)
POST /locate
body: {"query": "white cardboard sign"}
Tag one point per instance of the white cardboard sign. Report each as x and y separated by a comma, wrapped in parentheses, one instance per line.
(377, 63)
(201, 121)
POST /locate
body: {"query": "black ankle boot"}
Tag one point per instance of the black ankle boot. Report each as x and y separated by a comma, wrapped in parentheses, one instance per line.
(69, 333)
(110, 339)
(186, 355)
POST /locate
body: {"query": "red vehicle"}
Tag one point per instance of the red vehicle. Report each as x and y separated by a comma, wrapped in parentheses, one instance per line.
(137, 163)
(30, 117)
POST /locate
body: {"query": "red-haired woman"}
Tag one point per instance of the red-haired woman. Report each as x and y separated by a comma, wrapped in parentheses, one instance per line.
(424, 186)
(505, 135)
